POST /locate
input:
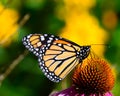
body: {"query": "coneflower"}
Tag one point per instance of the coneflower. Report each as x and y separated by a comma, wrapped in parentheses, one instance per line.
(93, 78)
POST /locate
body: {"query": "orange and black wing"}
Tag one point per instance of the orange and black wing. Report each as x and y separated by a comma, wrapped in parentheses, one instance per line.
(57, 56)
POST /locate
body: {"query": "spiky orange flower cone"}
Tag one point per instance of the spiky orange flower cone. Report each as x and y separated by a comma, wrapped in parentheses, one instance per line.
(94, 76)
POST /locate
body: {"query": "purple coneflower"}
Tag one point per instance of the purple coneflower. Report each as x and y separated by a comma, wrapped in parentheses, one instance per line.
(93, 78)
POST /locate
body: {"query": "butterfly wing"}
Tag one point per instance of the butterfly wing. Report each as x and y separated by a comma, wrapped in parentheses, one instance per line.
(57, 56)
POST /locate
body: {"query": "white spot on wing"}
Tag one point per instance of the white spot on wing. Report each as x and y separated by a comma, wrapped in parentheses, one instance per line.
(42, 38)
(59, 44)
(51, 38)
(45, 35)
(29, 36)
(49, 41)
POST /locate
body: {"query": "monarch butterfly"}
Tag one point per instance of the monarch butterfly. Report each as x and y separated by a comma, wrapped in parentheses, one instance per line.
(56, 56)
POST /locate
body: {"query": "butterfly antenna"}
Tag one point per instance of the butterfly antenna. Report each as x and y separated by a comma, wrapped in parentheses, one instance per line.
(101, 44)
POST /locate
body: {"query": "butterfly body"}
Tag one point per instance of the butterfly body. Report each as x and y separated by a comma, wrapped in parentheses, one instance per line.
(56, 56)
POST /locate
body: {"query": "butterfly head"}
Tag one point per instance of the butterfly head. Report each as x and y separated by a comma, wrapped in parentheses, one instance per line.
(84, 52)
